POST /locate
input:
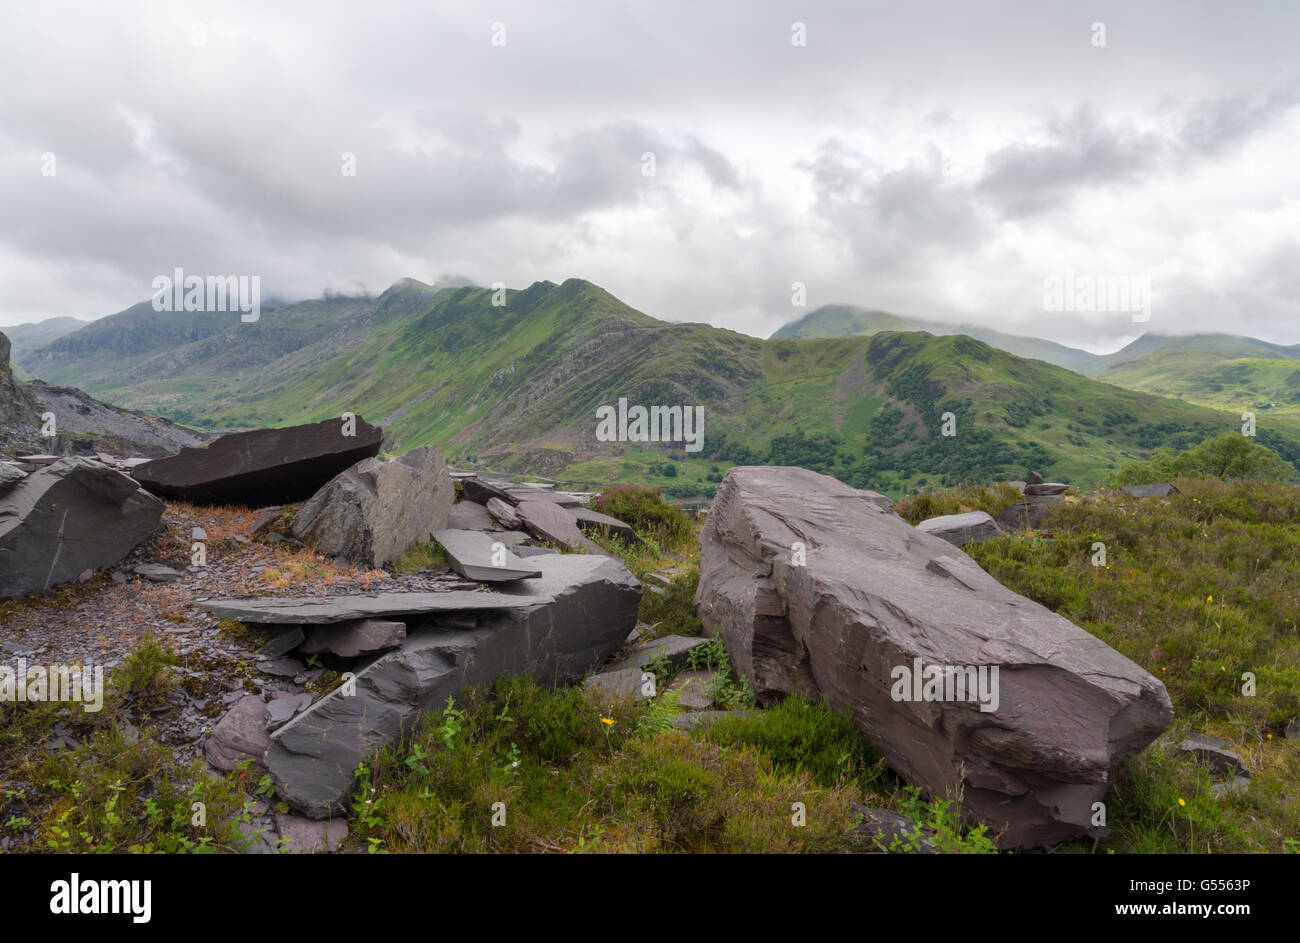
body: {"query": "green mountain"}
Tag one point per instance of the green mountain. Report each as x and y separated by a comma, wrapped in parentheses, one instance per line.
(517, 386)
(1236, 374)
(848, 321)
(26, 338)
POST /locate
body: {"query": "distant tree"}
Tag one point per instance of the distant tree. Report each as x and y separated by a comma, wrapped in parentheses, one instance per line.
(1230, 456)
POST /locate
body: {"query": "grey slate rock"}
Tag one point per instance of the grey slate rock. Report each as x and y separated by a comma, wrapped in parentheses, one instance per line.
(504, 513)
(590, 521)
(1150, 491)
(280, 710)
(960, 529)
(350, 639)
(265, 466)
(1046, 488)
(694, 690)
(583, 608)
(68, 517)
(556, 524)
(313, 610)
(285, 641)
(482, 491)
(157, 573)
(1028, 514)
(525, 551)
(675, 649)
(469, 515)
(1221, 759)
(375, 511)
(620, 684)
(280, 667)
(471, 554)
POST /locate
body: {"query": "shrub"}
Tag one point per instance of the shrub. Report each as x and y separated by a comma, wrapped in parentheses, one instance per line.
(645, 509)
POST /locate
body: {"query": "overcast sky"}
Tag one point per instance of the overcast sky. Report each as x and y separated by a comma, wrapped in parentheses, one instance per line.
(937, 160)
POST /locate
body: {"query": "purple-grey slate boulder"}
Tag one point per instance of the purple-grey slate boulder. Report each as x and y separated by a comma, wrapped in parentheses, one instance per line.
(972, 527)
(265, 466)
(556, 524)
(869, 597)
(68, 517)
(586, 605)
(480, 490)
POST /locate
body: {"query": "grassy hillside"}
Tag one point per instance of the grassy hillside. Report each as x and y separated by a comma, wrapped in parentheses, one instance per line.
(1233, 374)
(516, 387)
(850, 321)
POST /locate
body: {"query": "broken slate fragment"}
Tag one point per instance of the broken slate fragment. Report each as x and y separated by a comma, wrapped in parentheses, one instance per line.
(157, 573)
(479, 556)
(350, 639)
(283, 643)
(281, 709)
(240, 735)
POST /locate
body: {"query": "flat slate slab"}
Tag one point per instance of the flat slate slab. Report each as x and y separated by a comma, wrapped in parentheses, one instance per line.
(519, 494)
(471, 553)
(265, 466)
(556, 524)
(504, 512)
(589, 520)
(469, 515)
(300, 610)
(480, 490)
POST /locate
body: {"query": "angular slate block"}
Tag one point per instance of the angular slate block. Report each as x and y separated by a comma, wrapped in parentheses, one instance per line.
(265, 466)
(471, 554)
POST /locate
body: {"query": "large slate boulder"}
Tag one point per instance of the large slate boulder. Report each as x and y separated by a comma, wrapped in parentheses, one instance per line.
(469, 515)
(66, 518)
(972, 527)
(377, 510)
(586, 607)
(265, 466)
(877, 605)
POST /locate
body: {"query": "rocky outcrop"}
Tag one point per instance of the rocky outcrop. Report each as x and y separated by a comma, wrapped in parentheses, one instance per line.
(375, 511)
(68, 517)
(20, 413)
(583, 609)
(262, 467)
(959, 681)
